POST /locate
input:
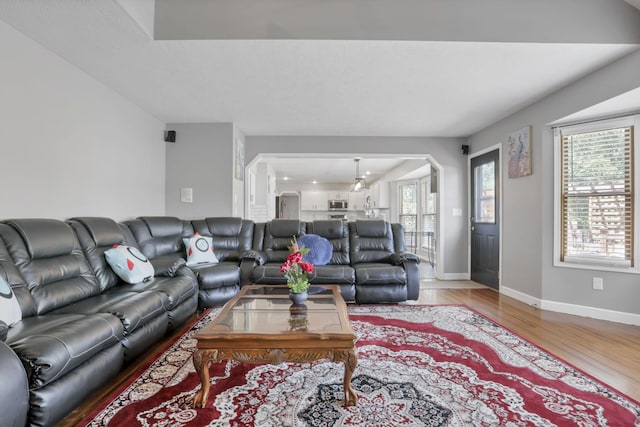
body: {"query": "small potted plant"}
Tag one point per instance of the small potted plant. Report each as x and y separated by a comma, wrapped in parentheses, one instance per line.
(295, 271)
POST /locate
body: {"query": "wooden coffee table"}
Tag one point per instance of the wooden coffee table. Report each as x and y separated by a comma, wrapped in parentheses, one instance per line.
(260, 325)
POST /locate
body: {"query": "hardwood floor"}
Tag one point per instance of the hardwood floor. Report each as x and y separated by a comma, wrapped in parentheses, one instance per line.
(608, 351)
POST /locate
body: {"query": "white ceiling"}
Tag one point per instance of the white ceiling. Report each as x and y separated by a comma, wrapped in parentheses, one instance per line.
(307, 87)
(331, 170)
(626, 103)
(310, 87)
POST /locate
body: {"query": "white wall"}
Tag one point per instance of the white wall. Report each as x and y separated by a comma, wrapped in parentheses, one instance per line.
(528, 202)
(71, 146)
(446, 151)
(201, 159)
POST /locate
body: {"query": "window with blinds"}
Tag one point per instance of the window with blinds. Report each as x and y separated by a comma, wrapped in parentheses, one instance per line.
(597, 194)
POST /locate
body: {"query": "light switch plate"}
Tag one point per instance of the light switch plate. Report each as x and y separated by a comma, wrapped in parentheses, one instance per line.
(186, 195)
(598, 283)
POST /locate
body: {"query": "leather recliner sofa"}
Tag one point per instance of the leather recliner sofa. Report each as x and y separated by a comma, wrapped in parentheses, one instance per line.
(66, 354)
(369, 259)
(338, 270)
(14, 392)
(97, 235)
(161, 240)
(81, 324)
(232, 239)
(384, 271)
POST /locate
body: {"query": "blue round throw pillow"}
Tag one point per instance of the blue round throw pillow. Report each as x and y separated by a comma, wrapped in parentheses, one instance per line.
(320, 249)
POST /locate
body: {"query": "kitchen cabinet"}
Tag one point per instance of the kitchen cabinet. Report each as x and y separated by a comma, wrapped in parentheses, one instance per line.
(356, 200)
(337, 195)
(379, 195)
(314, 201)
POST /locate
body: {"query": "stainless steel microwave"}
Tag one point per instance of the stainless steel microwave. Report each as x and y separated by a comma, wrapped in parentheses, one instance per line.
(338, 205)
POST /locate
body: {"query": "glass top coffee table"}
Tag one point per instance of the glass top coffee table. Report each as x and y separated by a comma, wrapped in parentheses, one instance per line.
(260, 325)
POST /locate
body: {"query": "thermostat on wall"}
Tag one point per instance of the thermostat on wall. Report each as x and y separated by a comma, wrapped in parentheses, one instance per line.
(186, 195)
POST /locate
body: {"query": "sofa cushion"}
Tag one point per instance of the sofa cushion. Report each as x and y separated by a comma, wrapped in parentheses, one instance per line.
(370, 241)
(10, 311)
(54, 344)
(231, 236)
(134, 309)
(330, 229)
(200, 250)
(103, 231)
(45, 238)
(380, 274)
(332, 274)
(337, 232)
(284, 228)
(371, 228)
(129, 264)
(177, 288)
(158, 236)
(278, 236)
(96, 236)
(51, 262)
(268, 274)
(221, 226)
(163, 226)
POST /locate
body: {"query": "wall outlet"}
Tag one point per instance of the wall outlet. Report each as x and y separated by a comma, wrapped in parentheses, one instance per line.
(598, 283)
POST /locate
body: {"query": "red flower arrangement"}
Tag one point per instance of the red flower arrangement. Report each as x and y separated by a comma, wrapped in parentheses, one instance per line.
(295, 269)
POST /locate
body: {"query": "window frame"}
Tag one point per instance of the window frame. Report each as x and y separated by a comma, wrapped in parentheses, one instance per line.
(591, 263)
(414, 183)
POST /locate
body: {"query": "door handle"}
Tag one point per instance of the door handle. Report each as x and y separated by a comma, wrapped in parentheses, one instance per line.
(473, 228)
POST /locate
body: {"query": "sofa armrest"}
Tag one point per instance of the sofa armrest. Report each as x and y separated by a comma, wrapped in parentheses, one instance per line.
(172, 270)
(246, 271)
(166, 265)
(4, 330)
(257, 256)
(400, 258)
(14, 393)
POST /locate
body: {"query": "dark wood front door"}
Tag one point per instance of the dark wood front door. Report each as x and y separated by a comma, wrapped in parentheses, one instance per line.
(485, 219)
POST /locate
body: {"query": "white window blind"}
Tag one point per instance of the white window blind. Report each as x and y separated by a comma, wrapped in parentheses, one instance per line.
(597, 196)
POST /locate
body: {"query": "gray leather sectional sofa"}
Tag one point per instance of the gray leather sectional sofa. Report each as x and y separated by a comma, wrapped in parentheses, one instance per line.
(81, 323)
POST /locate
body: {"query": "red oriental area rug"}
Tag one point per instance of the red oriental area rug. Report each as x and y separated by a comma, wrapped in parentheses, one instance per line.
(418, 366)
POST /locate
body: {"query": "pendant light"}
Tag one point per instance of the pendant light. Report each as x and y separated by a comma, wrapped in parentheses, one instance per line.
(359, 183)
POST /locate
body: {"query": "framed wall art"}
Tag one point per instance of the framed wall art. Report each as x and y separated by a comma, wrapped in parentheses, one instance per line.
(519, 144)
(239, 169)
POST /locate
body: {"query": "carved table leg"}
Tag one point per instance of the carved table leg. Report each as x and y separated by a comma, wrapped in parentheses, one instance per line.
(201, 361)
(350, 359)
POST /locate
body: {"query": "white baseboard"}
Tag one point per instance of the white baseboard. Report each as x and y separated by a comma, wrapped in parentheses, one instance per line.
(521, 296)
(454, 276)
(574, 309)
(596, 313)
